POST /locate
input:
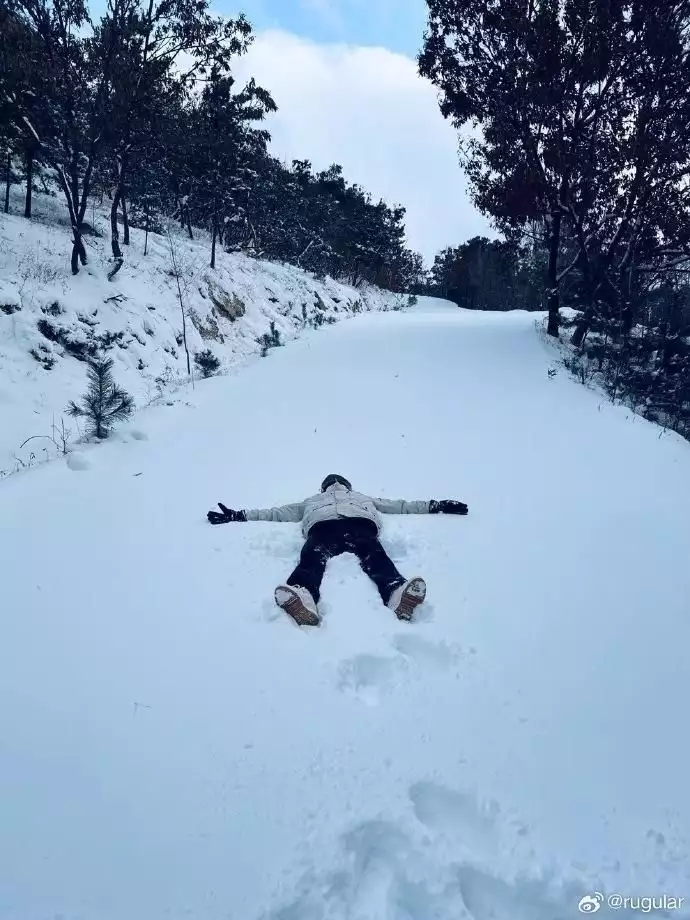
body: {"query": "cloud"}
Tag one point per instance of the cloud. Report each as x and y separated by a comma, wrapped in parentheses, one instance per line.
(369, 110)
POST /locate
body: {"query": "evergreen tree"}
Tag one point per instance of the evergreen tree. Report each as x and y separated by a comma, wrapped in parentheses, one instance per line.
(105, 402)
(484, 274)
(584, 110)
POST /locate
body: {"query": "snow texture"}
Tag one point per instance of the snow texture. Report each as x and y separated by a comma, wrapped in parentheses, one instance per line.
(173, 746)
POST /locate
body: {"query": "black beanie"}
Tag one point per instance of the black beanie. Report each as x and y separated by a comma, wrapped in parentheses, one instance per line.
(333, 478)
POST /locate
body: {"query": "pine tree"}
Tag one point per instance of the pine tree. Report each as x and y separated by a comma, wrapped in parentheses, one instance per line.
(105, 402)
(584, 110)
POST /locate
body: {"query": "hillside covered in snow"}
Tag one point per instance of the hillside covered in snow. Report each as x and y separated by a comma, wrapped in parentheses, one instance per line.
(52, 322)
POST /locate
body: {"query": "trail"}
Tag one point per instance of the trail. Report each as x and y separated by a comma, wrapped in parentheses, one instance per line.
(172, 746)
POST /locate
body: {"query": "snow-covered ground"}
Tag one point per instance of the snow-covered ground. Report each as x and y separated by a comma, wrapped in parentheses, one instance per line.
(137, 316)
(173, 746)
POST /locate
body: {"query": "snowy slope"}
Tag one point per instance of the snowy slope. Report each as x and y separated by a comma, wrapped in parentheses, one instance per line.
(137, 316)
(173, 746)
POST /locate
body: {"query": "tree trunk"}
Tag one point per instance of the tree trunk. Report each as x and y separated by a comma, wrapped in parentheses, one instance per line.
(114, 233)
(125, 221)
(76, 216)
(552, 296)
(8, 173)
(213, 241)
(581, 329)
(627, 298)
(189, 225)
(29, 180)
(146, 227)
(78, 250)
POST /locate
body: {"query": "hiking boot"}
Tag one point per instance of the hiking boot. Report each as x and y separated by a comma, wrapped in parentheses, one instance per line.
(405, 598)
(298, 603)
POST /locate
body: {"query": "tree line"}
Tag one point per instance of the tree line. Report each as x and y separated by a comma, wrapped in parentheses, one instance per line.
(578, 149)
(139, 107)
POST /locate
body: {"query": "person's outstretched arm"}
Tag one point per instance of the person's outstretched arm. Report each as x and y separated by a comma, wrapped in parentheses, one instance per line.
(285, 513)
(434, 506)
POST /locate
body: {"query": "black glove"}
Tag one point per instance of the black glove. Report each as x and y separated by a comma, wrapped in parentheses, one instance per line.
(447, 506)
(227, 516)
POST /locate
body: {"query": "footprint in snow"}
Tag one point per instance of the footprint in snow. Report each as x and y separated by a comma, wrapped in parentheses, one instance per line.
(488, 897)
(452, 813)
(380, 871)
(428, 654)
(369, 677)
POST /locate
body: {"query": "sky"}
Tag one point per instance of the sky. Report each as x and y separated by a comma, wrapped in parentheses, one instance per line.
(344, 76)
(394, 24)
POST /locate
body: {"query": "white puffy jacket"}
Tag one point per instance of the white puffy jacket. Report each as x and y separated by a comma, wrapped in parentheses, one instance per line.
(337, 502)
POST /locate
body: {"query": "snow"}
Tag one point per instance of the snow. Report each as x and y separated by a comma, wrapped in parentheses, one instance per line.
(140, 306)
(173, 746)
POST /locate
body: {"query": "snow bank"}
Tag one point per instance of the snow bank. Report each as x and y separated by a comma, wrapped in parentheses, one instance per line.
(49, 320)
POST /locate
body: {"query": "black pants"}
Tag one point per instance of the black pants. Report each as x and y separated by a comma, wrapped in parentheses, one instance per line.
(345, 535)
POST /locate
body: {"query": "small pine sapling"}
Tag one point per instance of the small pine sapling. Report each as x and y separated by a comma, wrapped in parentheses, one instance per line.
(105, 402)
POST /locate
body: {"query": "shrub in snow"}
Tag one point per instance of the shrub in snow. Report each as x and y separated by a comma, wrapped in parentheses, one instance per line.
(579, 367)
(108, 339)
(54, 309)
(105, 402)
(207, 362)
(87, 320)
(47, 329)
(83, 349)
(43, 356)
(269, 340)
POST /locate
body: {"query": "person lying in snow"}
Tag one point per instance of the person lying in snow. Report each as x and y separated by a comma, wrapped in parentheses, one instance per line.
(339, 520)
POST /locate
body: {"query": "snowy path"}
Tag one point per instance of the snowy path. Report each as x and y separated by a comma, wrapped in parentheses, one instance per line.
(171, 746)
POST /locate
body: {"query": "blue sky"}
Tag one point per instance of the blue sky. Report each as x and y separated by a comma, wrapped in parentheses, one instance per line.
(394, 24)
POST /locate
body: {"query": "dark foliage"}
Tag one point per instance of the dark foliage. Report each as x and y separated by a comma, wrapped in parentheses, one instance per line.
(206, 362)
(487, 274)
(104, 403)
(584, 147)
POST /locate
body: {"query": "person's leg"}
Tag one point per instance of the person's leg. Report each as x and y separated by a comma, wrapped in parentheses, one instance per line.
(312, 564)
(375, 561)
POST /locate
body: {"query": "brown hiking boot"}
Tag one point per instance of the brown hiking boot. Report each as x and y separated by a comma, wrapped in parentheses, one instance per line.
(404, 599)
(298, 603)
